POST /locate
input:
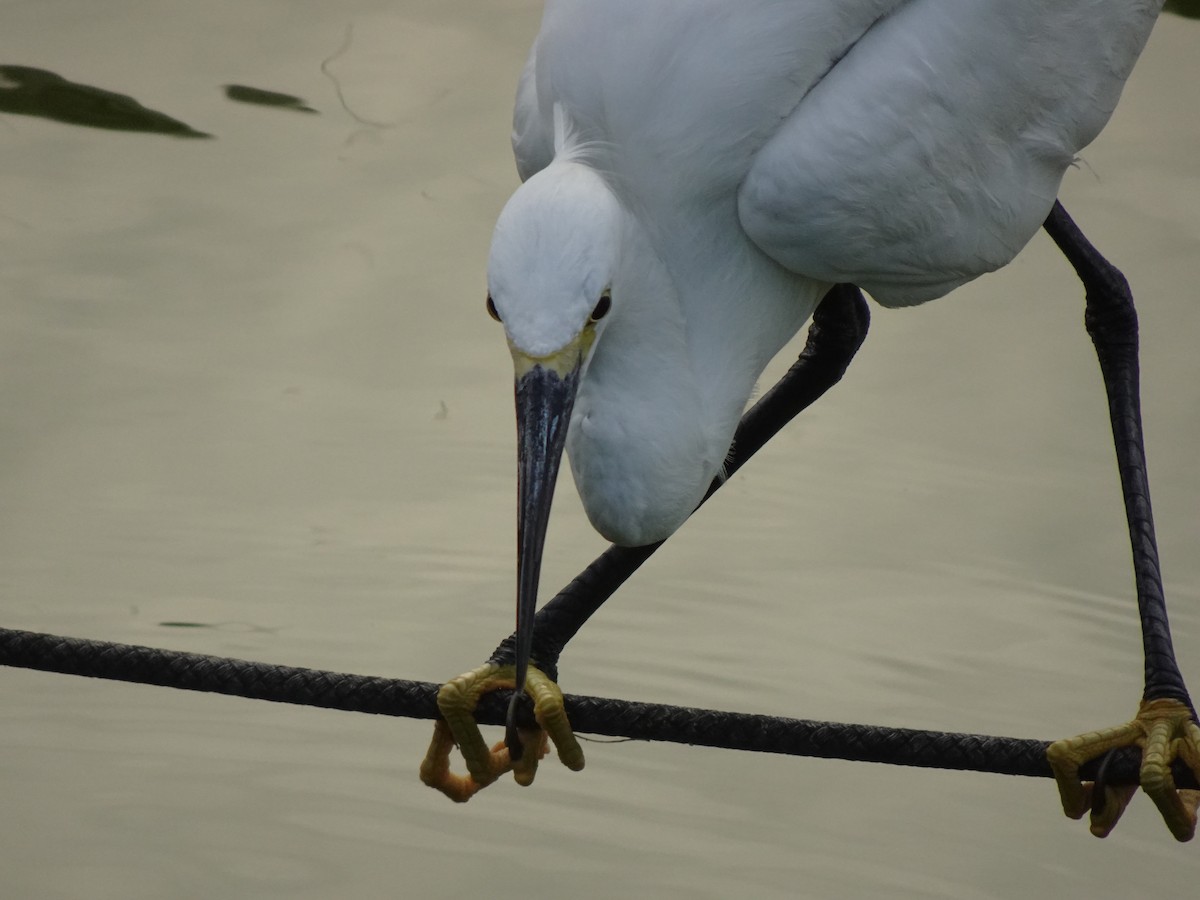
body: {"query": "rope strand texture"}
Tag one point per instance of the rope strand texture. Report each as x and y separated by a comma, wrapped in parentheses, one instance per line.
(592, 715)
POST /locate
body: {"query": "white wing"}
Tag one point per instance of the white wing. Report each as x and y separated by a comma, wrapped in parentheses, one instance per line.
(933, 150)
(907, 146)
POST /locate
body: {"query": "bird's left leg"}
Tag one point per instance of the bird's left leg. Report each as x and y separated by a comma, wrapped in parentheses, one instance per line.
(838, 329)
(1165, 726)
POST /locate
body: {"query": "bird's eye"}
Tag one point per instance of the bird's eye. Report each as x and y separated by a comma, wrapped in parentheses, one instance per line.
(602, 307)
(491, 308)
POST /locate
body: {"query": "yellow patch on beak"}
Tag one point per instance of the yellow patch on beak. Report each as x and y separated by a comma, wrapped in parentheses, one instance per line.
(563, 362)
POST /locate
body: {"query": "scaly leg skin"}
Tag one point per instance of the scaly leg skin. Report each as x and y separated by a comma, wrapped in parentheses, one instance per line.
(1163, 729)
(457, 700)
(1165, 726)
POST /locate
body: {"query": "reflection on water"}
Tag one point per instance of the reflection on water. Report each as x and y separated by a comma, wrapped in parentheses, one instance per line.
(249, 385)
(27, 91)
(1188, 8)
(242, 93)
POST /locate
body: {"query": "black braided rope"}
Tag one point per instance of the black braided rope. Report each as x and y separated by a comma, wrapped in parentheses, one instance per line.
(591, 715)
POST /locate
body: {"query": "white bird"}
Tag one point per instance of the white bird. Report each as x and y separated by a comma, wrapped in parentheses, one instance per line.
(698, 173)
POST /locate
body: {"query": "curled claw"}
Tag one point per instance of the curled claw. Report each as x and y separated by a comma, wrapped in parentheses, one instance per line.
(1164, 730)
(435, 768)
(1172, 733)
(457, 700)
(1107, 801)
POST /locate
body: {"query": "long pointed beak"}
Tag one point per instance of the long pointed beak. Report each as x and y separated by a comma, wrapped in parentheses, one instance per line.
(545, 393)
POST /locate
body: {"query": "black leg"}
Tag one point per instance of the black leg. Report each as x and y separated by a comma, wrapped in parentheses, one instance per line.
(1165, 725)
(1112, 323)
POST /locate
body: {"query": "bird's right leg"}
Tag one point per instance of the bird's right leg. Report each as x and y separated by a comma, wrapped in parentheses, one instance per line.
(1165, 725)
(838, 329)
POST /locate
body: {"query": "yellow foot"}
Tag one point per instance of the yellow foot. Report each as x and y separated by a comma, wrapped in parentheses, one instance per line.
(457, 701)
(1164, 729)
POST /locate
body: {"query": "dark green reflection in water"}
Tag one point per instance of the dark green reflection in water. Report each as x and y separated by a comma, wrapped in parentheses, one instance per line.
(1189, 9)
(27, 91)
(244, 94)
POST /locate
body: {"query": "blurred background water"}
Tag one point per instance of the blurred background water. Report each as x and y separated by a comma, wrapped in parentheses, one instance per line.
(246, 381)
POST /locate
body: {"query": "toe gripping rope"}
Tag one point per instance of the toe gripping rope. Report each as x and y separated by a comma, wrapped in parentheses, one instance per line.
(592, 715)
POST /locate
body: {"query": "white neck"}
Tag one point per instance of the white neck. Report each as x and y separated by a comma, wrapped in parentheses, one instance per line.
(671, 374)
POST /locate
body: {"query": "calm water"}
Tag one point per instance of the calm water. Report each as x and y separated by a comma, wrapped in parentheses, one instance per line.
(249, 382)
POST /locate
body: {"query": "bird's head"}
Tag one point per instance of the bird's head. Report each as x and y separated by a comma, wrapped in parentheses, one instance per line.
(550, 273)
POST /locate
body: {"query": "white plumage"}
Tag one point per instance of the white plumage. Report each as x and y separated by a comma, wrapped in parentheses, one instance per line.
(719, 164)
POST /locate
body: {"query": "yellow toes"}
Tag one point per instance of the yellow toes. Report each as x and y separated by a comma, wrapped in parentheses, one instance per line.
(1170, 733)
(1107, 813)
(552, 717)
(457, 700)
(1068, 755)
(1164, 730)
(435, 768)
(536, 746)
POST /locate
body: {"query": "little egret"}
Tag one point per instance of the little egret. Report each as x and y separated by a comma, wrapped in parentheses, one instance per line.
(696, 175)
